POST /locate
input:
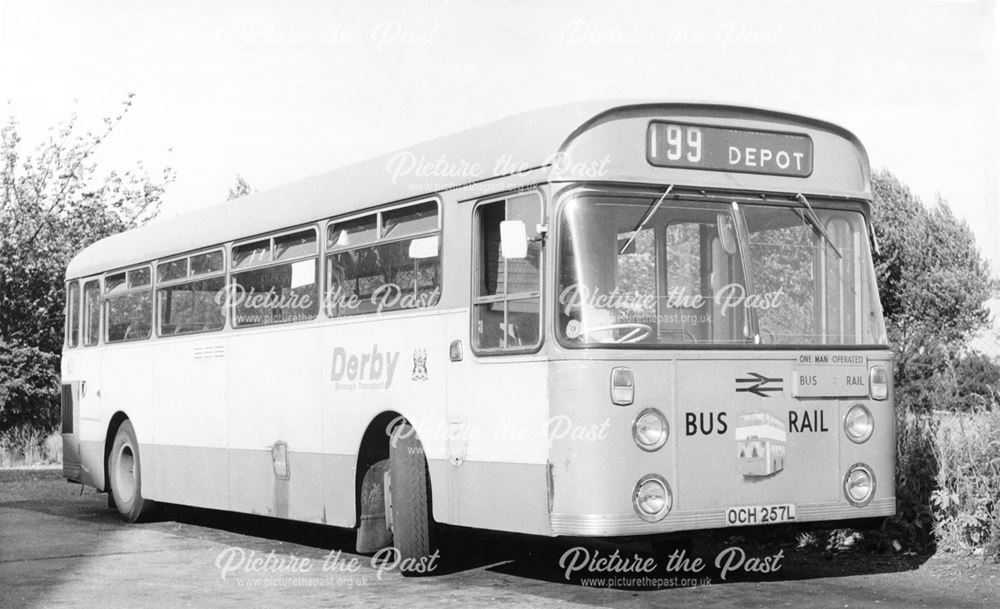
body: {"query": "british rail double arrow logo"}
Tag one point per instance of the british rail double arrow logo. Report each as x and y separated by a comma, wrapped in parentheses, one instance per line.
(761, 384)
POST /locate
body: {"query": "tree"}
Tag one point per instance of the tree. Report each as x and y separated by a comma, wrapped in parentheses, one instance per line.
(240, 189)
(933, 282)
(53, 203)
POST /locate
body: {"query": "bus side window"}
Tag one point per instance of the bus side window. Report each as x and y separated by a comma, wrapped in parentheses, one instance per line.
(128, 306)
(73, 314)
(191, 294)
(507, 295)
(386, 261)
(285, 270)
(91, 313)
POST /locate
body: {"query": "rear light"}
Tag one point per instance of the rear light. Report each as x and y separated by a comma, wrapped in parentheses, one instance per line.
(651, 498)
(859, 424)
(878, 382)
(650, 430)
(622, 386)
(859, 485)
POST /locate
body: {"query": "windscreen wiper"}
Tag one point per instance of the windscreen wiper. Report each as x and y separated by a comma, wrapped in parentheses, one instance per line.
(645, 219)
(816, 224)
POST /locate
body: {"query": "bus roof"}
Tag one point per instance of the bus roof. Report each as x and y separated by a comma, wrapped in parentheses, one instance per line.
(514, 144)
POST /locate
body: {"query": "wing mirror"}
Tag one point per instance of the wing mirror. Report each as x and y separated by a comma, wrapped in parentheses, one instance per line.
(513, 239)
(727, 232)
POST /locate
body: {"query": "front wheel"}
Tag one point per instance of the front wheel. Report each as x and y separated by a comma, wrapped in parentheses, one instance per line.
(409, 494)
(124, 475)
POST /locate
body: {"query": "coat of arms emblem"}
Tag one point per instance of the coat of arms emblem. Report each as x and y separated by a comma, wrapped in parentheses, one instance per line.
(419, 365)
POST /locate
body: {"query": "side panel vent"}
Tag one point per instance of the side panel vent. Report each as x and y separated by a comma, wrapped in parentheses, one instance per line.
(209, 351)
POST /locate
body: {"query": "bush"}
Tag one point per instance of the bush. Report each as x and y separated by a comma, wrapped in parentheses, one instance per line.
(925, 377)
(52, 448)
(977, 379)
(26, 445)
(964, 504)
(29, 387)
(916, 480)
(54, 202)
(936, 377)
(947, 487)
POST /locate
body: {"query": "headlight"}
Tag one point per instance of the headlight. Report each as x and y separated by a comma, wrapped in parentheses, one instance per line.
(859, 485)
(650, 429)
(859, 424)
(651, 498)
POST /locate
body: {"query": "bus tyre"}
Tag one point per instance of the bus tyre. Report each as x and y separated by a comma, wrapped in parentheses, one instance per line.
(410, 497)
(124, 475)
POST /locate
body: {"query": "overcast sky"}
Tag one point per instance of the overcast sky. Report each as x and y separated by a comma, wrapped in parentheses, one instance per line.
(278, 91)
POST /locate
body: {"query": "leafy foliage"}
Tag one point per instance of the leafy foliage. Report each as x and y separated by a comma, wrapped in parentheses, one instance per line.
(978, 378)
(916, 479)
(28, 378)
(968, 481)
(53, 203)
(933, 282)
(239, 189)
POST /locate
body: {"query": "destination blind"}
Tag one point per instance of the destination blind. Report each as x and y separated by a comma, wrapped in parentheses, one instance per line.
(729, 149)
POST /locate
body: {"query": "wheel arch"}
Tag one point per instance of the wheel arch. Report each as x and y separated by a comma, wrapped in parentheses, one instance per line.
(373, 448)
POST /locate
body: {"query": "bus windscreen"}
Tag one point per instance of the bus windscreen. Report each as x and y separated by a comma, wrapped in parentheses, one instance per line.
(712, 273)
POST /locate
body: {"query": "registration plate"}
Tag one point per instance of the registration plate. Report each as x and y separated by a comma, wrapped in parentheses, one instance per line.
(747, 515)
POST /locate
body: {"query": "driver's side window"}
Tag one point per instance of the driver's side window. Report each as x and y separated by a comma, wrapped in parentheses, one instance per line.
(507, 291)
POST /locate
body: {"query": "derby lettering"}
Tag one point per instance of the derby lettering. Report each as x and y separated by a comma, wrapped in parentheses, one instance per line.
(373, 366)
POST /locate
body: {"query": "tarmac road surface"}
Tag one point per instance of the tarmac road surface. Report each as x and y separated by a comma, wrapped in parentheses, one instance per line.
(61, 548)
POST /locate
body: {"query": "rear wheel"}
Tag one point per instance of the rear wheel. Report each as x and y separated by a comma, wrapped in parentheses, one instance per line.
(124, 475)
(409, 492)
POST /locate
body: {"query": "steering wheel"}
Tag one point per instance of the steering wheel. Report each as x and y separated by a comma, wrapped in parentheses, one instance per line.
(638, 331)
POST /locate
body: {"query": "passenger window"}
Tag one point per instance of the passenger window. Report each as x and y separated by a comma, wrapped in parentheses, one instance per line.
(91, 313)
(114, 283)
(170, 271)
(399, 275)
(139, 278)
(252, 254)
(187, 306)
(129, 305)
(73, 314)
(400, 270)
(409, 220)
(206, 264)
(192, 306)
(507, 295)
(276, 292)
(295, 245)
(352, 233)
